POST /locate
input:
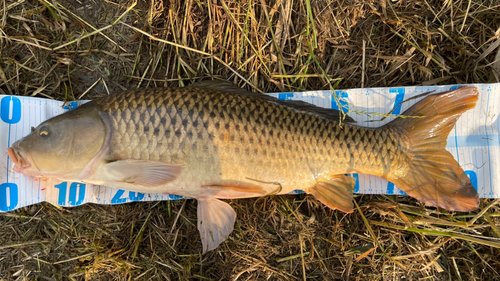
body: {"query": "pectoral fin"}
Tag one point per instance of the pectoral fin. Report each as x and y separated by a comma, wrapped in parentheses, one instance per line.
(215, 222)
(142, 172)
(335, 193)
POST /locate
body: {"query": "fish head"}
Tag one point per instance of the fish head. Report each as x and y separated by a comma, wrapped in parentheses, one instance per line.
(60, 146)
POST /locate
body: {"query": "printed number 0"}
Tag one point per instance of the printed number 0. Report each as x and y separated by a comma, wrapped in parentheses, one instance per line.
(8, 115)
(12, 196)
(63, 187)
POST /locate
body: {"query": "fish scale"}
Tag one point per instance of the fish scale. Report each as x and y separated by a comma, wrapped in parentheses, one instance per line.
(240, 137)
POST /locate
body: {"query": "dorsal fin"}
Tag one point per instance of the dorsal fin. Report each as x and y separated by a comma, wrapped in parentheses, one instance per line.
(225, 86)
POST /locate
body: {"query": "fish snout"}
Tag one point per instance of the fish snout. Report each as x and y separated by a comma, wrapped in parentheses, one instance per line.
(12, 155)
(20, 162)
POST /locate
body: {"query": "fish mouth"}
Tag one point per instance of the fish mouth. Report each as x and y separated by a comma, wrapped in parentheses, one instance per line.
(20, 162)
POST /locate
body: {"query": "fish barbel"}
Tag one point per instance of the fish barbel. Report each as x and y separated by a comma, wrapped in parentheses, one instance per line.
(215, 141)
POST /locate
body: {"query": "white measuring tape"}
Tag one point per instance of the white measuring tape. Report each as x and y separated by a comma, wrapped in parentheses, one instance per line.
(474, 142)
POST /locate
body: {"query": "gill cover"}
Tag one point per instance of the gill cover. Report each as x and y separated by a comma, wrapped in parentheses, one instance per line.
(62, 145)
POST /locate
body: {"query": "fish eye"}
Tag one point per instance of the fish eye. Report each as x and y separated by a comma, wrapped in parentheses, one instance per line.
(44, 131)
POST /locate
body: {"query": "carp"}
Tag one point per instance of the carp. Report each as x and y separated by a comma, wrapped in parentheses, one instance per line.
(215, 141)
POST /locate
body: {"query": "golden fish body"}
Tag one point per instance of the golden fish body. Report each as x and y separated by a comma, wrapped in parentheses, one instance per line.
(220, 137)
(217, 141)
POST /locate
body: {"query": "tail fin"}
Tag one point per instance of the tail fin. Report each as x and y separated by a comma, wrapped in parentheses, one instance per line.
(434, 176)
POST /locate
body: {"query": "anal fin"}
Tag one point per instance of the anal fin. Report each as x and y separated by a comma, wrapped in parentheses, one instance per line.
(231, 189)
(336, 193)
(215, 222)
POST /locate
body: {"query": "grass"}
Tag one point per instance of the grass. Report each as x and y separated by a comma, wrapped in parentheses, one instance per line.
(72, 49)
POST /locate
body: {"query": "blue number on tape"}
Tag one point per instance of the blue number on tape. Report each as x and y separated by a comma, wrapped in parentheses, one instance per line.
(10, 110)
(356, 185)
(71, 105)
(285, 96)
(13, 197)
(400, 95)
(74, 187)
(473, 178)
(135, 196)
(117, 198)
(391, 189)
(61, 199)
(342, 95)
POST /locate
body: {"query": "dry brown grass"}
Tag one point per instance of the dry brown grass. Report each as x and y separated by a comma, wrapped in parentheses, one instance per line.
(75, 49)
